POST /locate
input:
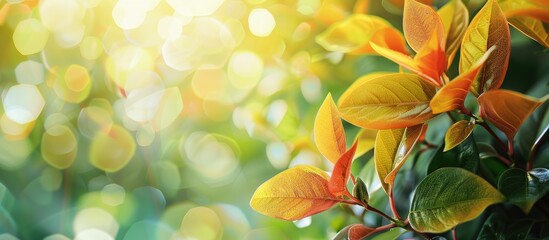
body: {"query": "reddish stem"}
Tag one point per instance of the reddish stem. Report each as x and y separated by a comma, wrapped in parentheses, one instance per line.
(454, 234)
(393, 206)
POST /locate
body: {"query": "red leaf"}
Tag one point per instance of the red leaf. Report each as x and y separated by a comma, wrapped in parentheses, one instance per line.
(342, 171)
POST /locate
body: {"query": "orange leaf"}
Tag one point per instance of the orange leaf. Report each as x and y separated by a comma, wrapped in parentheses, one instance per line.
(341, 172)
(419, 65)
(455, 18)
(391, 151)
(329, 134)
(396, 6)
(457, 133)
(420, 23)
(359, 231)
(432, 60)
(488, 28)
(295, 193)
(353, 35)
(361, 6)
(506, 109)
(389, 101)
(453, 94)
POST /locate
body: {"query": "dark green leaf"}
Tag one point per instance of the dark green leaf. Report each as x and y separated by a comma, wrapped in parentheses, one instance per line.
(523, 188)
(466, 155)
(360, 191)
(500, 227)
(448, 197)
(491, 169)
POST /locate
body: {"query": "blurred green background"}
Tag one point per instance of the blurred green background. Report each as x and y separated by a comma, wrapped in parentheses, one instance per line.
(157, 119)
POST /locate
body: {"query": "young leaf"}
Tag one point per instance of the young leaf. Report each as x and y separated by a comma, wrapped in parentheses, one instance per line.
(391, 151)
(366, 139)
(420, 23)
(488, 28)
(341, 173)
(457, 133)
(506, 109)
(390, 101)
(359, 231)
(329, 134)
(530, 26)
(449, 197)
(354, 34)
(453, 94)
(360, 191)
(523, 188)
(455, 18)
(293, 194)
(429, 63)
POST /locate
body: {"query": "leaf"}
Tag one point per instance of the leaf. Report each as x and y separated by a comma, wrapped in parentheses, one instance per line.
(342, 170)
(420, 23)
(366, 139)
(506, 109)
(491, 169)
(293, 194)
(343, 234)
(449, 197)
(359, 231)
(328, 131)
(465, 156)
(529, 26)
(500, 227)
(390, 101)
(488, 28)
(457, 133)
(392, 234)
(523, 188)
(360, 191)
(526, 8)
(353, 35)
(452, 95)
(391, 151)
(455, 18)
(429, 63)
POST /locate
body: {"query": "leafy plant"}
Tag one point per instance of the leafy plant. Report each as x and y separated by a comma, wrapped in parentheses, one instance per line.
(396, 111)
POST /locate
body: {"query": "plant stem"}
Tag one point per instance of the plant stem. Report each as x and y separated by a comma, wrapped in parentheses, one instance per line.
(451, 117)
(385, 227)
(491, 132)
(393, 206)
(409, 228)
(454, 234)
(380, 213)
(510, 148)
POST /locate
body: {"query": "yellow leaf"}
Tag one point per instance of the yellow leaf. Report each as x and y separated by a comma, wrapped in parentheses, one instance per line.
(390, 101)
(361, 81)
(421, 65)
(329, 134)
(293, 194)
(353, 35)
(532, 27)
(420, 23)
(457, 133)
(361, 6)
(453, 94)
(366, 139)
(396, 6)
(536, 9)
(455, 18)
(391, 150)
(342, 170)
(488, 28)
(506, 109)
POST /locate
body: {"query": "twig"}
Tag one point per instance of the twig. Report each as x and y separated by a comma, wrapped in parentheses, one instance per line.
(393, 206)
(454, 234)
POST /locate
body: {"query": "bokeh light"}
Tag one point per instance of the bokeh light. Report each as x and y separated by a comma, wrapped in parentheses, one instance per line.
(157, 119)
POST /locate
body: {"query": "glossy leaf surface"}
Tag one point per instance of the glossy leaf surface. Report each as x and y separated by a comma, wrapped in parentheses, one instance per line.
(523, 188)
(449, 197)
(296, 193)
(388, 102)
(329, 134)
(488, 28)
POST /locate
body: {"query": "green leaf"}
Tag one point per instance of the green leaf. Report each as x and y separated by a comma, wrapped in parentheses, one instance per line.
(449, 197)
(497, 227)
(360, 191)
(491, 169)
(466, 155)
(523, 188)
